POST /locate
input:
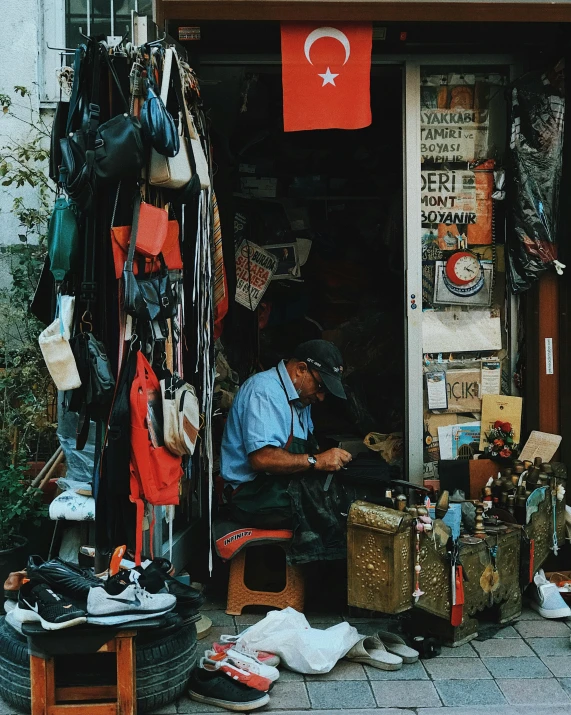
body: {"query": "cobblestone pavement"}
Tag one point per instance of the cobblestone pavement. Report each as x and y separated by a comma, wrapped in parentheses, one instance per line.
(524, 669)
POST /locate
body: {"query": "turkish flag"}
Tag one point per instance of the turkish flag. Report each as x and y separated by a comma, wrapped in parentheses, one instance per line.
(326, 75)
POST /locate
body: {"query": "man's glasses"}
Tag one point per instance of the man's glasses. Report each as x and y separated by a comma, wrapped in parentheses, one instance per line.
(320, 385)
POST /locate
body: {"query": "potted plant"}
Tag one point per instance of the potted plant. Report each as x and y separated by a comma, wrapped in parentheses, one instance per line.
(20, 505)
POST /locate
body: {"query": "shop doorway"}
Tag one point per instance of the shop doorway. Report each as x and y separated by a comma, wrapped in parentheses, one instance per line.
(330, 205)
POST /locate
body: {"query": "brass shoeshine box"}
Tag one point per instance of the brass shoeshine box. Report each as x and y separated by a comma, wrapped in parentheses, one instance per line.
(380, 566)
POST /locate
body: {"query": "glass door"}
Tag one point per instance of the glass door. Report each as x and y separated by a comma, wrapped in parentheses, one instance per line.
(458, 311)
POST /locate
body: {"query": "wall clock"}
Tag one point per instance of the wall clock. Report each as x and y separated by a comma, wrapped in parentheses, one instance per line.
(463, 274)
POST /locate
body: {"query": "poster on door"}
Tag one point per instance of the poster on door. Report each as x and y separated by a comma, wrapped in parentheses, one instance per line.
(456, 208)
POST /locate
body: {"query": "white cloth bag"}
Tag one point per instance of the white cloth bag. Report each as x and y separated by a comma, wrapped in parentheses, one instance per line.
(54, 344)
(302, 648)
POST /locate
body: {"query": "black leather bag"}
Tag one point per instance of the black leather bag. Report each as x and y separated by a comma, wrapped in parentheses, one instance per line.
(158, 126)
(119, 151)
(77, 146)
(149, 297)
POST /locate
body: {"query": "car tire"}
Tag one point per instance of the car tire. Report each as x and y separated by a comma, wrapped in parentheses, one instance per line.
(165, 659)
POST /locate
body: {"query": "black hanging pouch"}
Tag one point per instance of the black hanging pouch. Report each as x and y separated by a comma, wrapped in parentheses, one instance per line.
(119, 150)
(77, 147)
(159, 128)
(93, 399)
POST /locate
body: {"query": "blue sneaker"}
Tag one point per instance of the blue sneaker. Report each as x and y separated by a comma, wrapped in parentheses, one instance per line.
(546, 599)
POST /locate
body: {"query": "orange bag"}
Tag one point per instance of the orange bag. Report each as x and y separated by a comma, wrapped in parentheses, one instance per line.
(120, 236)
(155, 472)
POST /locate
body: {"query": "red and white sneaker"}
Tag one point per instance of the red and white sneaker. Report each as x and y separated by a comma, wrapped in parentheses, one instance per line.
(243, 676)
(227, 642)
(246, 662)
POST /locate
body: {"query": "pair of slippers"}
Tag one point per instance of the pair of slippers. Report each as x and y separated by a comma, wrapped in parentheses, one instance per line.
(384, 650)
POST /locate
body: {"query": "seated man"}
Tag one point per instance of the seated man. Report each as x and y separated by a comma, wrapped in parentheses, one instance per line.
(268, 442)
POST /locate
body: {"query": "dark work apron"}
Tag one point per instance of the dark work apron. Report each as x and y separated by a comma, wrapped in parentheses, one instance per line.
(317, 517)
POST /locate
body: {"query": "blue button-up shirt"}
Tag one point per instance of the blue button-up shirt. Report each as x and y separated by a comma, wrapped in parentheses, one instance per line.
(261, 416)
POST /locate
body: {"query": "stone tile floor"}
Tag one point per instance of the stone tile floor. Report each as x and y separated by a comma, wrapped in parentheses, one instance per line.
(524, 669)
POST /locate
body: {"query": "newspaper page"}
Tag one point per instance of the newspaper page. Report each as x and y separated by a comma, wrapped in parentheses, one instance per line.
(254, 270)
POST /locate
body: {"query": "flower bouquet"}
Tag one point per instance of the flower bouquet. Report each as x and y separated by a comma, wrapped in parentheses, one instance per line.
(501, 446)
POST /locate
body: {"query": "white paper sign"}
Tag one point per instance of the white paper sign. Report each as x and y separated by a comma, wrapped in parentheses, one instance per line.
(549, 356)
(436, 390)
(491, 380)
(452, 134)
(454, 331)
(540, 444)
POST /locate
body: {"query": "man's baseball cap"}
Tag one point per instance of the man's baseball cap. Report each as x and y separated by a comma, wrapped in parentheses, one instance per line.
(325, 358)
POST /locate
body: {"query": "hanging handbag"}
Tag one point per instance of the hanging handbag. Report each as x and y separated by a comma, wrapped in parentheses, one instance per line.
(94, 398)
(119, 150)
(63, 240)
(155, 473)
(157, 124)
(181, 415)
(171, 172)
(77, 147)
(149, 298)
(120, 237)
(55, 347)
(199, 157)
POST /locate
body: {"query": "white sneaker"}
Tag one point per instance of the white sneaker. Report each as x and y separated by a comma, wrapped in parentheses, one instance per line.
(247, 663)
(546, 599)
(133, 600)
(261, 656)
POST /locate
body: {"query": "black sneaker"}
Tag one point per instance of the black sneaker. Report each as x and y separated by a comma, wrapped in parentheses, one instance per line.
(39, 604)
(217, 688)
(154, 579)
(64, 578)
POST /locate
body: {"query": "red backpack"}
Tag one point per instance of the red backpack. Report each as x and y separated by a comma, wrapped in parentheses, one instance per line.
(155, 472)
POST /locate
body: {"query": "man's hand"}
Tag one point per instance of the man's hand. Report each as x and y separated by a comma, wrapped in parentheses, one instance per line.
(332, 460)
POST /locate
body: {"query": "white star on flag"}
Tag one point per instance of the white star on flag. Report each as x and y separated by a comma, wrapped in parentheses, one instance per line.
(329, 78)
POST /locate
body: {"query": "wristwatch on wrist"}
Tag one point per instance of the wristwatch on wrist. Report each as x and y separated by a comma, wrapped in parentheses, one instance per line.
(312, 461)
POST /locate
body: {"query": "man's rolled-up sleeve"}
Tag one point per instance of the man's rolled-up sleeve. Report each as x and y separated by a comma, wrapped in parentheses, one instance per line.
(264, 423)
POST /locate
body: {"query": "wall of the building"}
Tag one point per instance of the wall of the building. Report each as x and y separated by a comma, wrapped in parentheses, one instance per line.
(20, 36)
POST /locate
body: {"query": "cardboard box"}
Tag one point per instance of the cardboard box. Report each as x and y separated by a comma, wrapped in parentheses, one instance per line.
(463, 390)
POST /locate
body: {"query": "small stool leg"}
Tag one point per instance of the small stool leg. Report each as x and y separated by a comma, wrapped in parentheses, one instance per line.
(42, 682)
(236, 585)
(126, 676)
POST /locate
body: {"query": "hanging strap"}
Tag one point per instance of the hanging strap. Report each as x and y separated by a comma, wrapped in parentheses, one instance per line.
(290, 438)
(128, 266)
(114, 77)
(74, 100)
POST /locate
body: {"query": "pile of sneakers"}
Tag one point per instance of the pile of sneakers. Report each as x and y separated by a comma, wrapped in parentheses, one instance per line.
(233, 678)
(59, 595)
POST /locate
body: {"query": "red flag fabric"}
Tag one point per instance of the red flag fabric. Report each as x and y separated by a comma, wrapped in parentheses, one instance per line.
(326, 75)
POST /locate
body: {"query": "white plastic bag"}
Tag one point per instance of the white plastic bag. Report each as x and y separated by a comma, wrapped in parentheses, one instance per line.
(300, 647)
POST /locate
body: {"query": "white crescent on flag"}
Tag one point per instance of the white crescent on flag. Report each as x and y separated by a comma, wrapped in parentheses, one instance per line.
(326, 32)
